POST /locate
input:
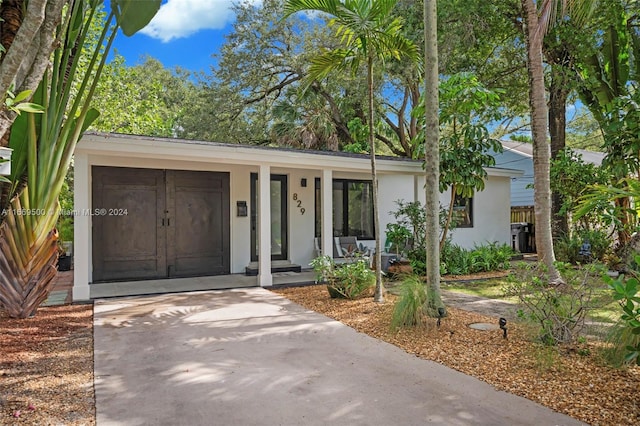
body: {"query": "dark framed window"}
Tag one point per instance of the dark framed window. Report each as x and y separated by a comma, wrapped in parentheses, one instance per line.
(463, 211)
(352, 208)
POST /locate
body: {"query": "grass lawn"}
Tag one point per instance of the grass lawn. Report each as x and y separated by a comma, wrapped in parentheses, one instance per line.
(490, 288)
(605, 309)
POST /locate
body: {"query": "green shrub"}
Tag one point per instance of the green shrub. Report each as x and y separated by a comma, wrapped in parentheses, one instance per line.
(567, 249)
(457, 260)
(558, 310)
(620, 339)
(350, 280)
(626, 290)
(484, 258)
(418, 258)
(408, 309)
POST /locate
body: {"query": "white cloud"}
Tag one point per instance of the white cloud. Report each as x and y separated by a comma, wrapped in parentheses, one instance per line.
(181, 18)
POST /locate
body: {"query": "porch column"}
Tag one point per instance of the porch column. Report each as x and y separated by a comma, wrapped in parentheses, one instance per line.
(326, 188)
(264, 227)
(81, 228)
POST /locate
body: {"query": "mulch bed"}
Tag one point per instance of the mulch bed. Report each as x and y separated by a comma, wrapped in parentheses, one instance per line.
(46, 362)
(46, 367)
(569, 379)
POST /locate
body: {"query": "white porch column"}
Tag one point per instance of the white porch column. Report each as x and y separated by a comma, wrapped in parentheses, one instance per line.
(326, 188)
(82, 227)
(264, 227)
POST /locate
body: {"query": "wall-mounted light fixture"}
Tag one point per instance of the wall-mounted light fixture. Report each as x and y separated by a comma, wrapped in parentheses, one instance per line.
(242, 208)
(303, 182)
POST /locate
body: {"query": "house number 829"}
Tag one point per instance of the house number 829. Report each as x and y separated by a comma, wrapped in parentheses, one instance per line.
(298, 203)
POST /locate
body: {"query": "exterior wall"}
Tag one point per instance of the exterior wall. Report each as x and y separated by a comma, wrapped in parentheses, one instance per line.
(491, 215)
(520, 194)
(393, 188)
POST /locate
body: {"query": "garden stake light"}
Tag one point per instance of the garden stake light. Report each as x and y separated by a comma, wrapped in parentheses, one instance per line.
(503, 326)
(441, 313)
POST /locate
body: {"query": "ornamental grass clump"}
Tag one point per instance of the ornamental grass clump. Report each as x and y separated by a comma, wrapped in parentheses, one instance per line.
(408, 309)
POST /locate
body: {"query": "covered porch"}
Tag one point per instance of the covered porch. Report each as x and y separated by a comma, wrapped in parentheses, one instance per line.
(190, 235)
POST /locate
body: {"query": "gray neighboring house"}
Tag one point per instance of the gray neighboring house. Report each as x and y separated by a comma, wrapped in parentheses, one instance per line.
(519, 156)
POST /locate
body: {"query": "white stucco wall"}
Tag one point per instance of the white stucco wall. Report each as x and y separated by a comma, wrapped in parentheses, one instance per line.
(491, 215)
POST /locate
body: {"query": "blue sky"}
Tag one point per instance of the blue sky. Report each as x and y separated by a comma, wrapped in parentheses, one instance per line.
(184, 33)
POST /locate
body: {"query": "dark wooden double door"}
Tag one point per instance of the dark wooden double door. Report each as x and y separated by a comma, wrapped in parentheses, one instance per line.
(150, 223)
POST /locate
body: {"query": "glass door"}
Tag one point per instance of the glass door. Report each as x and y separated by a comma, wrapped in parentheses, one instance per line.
(279, 218)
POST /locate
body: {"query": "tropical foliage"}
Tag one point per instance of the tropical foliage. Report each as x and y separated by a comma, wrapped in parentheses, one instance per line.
(43, 147)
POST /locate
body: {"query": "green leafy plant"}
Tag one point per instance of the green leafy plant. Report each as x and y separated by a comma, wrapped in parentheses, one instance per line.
(408, 309)
(17, 103)
(456, 259)
(626, 291)
(43, 146)
(483, 258)
(567, 248)
(558, 310)
(350, 280)
(398, 237)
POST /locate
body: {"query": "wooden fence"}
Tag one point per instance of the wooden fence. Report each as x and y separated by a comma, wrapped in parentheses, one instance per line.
(525, 214)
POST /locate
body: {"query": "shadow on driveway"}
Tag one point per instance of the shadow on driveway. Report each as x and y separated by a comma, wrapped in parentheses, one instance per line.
(251, 357)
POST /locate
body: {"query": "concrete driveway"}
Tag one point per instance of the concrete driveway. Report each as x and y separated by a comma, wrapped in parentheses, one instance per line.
(251, 357)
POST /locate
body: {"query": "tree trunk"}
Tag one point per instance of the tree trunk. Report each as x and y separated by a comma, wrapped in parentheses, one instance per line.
(24, 64)
(27, 262)
(379, 293)
(541, 147)
(447, 224)
(558, 94)
(432, 159)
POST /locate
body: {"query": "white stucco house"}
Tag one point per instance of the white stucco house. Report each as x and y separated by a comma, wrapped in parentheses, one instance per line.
(158, 209)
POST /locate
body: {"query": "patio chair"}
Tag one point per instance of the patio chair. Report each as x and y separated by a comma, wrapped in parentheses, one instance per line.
(349, 247)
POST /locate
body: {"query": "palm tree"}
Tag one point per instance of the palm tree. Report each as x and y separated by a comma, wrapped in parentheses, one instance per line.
(433, 306)
(370, 34)
(43, 146)
(539, 15)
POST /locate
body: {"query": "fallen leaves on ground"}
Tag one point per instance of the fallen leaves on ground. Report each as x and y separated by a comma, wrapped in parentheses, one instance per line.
(569, 379)
(46, 367)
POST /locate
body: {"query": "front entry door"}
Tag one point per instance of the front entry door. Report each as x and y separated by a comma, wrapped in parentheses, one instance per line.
(279, 217)
(158, 224)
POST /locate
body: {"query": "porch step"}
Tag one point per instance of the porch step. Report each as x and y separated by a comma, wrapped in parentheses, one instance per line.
(276, 266)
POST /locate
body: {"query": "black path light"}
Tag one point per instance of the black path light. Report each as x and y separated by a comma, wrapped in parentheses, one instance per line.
(441, 313)
(503, 326)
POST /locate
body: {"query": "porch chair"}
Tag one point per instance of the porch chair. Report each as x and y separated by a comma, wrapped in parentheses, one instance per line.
(349, 247)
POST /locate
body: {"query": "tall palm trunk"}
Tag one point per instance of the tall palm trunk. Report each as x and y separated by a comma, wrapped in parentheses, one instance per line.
(379, 293)
(432, 158)
(541, 147)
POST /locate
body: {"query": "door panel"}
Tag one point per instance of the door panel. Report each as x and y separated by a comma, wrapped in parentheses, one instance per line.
(177, 224)
(200, 226)
(131, 245)
(279, 217)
